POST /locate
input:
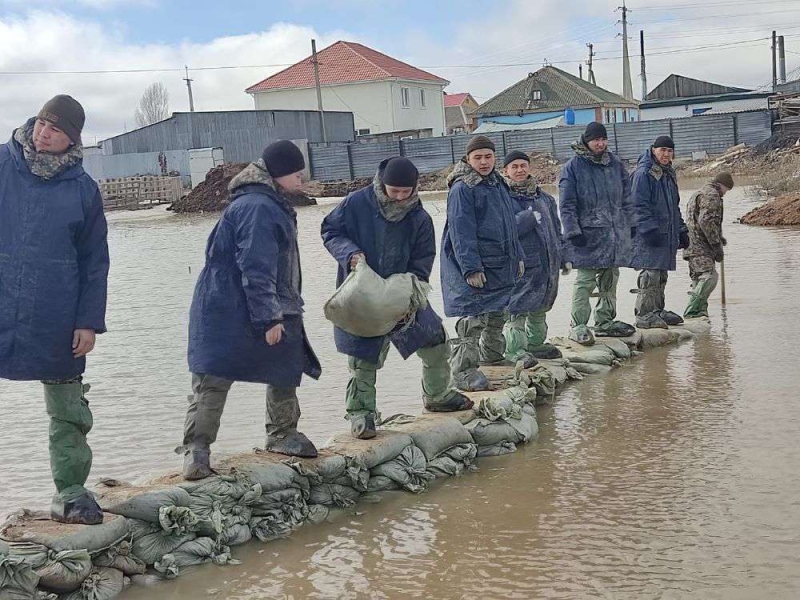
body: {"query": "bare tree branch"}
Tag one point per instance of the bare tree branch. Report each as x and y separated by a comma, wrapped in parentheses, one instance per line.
(153, 106)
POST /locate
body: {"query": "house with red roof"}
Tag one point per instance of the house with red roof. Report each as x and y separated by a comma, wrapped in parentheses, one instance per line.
(457, 112)
(383, 93)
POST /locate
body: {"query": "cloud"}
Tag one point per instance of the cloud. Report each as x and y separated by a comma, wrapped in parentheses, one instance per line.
(54, 41)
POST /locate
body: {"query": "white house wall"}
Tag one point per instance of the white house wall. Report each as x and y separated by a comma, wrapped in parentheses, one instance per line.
(415, 116)
(685, 110)
(369, 102)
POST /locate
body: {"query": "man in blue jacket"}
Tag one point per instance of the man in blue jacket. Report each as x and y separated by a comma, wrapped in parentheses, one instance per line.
(386, 225)
(594, 202)
(246, 319)
(481, 261)
(540, 234)
(658, 232)
(53, 281)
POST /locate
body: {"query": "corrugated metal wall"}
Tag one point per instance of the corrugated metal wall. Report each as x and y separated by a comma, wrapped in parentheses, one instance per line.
(711, 133)
(242, 134)
(329, 162)
(102, 166)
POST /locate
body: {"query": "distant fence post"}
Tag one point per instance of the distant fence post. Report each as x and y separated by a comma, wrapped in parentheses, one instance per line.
(553, 143)
(452, 151)
(670, 130)
(350, 162)
(735, 129)
(616, 140)
(402, 147)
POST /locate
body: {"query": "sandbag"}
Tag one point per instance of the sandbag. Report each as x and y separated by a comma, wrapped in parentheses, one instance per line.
(590, 369)
(278, 500)
(18, 580)
(654, 338)
(409, 469)
(453, 461)
(142, 503)
(59, 572)
(272, 476)
(381, 483)
(498, 449)
(432, 434)
(698, 325)
(600, 355)
(683, 334)
(38, 528)
(192, 553)
(102, 584)
(235, 535)
(367, 305)
(489, 433)
(382, 448)
(271, 526)
(151, 542)
(616, 345)
(333, 494)
(120, 557)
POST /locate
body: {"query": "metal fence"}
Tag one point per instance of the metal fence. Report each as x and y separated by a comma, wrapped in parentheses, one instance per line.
(710, 133)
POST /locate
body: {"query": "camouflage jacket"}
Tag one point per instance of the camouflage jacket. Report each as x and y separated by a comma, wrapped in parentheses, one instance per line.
(704, 219)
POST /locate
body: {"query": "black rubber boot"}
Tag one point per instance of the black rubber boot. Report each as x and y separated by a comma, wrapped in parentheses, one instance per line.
(82, 510)
(456, 401)
(651, 320)
(671, 318)
(472, 381)
(617, 329)
(293, 443)
(362, 426)
(197, 464)
(546, 352)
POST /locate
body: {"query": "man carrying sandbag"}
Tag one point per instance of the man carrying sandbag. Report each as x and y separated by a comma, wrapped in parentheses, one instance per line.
(540, 235)
(53, 283)
(594, 203)
(706, 244)
(385, 225)
(246, 320)
(657, 231)
(482, 259)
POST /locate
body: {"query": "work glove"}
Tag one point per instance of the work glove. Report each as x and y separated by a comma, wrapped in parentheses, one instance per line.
(719, 254)
(476, 279)
(684, 240)
(653, 238)
(578, 240)
(566, 269)
(521, 269)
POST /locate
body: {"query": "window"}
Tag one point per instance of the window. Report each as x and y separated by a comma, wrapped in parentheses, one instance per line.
(608, 116)
(404, 98)
(536, 95)
(363, 132)
(624, 115)
(422, 98)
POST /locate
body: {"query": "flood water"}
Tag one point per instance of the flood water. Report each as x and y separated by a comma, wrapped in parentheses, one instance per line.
(674, 477)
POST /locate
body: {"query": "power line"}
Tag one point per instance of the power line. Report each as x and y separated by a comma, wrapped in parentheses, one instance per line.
(705, 4)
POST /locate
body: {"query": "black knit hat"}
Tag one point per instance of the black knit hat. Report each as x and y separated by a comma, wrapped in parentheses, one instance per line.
(399, 172)
(515, 155)
(283, 158)
(594, 131)
(664, 141)
(480, 142)
(66, 113)
(725, 179)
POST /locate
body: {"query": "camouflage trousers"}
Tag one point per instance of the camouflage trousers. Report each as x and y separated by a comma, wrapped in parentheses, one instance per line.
(704, 276)
(207, 403)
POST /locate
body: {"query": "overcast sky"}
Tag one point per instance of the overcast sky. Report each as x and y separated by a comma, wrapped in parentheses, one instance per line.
(478, 51)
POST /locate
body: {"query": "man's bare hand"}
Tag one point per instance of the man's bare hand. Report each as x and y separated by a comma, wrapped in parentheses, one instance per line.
(82, 342)
(477, 279)
(354, 260)
(275, 334)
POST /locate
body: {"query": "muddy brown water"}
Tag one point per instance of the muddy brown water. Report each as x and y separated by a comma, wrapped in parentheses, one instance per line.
(674, 477)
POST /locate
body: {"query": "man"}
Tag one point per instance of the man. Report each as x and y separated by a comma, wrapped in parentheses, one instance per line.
(246, 320)
(386, 225)
(53, 281)
(540, 235)
(594, 203)
(704, 220)
(481, 262)
(657, 231)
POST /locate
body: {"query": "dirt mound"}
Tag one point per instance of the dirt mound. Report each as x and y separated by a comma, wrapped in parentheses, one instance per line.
(212, 194)
(784, 210)
(335, 189)
(777, 141)
(545, 168)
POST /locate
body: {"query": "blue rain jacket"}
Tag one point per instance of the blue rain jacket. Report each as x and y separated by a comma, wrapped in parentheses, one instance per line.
(480, 235)
(406, 246)
(53, 267)
(594, 199)
(540, 235)
(656, 206)
(250, 282)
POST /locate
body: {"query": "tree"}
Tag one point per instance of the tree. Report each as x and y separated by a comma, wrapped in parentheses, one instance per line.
(153, 106)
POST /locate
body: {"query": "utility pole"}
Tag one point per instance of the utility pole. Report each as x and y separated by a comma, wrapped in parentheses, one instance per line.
(781, 60)
(319, 90)
(590, 75)
(189, 87)
(580, 71)
(774, 62)
(644, 70)
(627, 86)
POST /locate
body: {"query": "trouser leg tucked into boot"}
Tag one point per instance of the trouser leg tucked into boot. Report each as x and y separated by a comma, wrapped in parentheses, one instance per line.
(437, 394)
(650, 298)
(283, 414)
(465, 356)
(492, 343)
(703, 283)
(203, 417)
(70, 454)
(585, 284)
(361, 394)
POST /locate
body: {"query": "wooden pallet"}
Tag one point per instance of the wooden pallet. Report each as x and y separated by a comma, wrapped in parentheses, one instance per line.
(132, 192)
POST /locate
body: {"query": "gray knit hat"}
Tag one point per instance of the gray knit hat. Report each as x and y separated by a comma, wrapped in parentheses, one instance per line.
(725, 179)
(480, 142)
(66, 113)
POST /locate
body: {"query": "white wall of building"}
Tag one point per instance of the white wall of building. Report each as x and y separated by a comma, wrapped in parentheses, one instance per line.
(377, 106)
(685, 110)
